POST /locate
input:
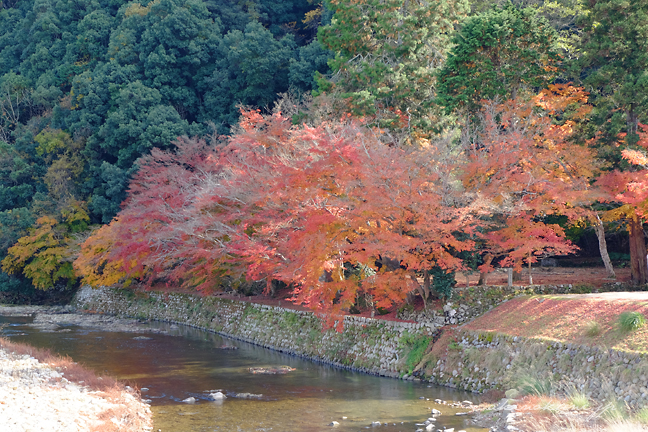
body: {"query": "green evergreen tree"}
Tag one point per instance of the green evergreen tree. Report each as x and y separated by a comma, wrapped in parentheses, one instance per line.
(614, 63)
(387, 54)
(496, 54)
(240, 73)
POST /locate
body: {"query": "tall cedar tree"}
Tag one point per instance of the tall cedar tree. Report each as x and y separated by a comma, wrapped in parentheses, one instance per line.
(614, 66)
(495, 55)
(614, 59)
(386, 56)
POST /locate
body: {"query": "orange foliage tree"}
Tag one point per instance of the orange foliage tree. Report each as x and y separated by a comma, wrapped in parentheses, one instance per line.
(335, 212)
(520, 167)
(327, 209)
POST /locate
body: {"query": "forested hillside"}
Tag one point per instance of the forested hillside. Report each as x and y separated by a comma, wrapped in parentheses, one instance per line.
(87, 87)
(348, 149)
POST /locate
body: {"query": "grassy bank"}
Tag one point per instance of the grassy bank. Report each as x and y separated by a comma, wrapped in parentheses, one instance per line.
(566, 362)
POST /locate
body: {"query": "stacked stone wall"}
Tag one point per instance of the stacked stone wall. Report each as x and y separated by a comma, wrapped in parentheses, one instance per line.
(476, 362)
(369, 345)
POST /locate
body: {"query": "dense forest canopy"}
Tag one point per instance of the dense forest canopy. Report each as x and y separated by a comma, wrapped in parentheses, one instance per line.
(344, 148)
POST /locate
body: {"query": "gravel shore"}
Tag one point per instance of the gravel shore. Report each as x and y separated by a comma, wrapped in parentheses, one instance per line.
(56, 394)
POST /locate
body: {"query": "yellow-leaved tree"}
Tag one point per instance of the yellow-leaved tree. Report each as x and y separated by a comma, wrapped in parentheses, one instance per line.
(46, 254)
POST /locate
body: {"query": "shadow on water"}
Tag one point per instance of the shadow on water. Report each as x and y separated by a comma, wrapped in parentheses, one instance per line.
(184, 362)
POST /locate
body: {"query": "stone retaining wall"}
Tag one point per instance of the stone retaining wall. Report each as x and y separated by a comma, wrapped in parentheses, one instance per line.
(369, 345)
(477, 361)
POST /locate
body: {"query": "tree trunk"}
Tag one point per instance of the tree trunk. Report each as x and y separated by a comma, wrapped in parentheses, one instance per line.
(600, 234)
(483, 279)
(483, 275)
(530, 275)
(638, 265)
(423, 290)
(426, 283)
(632, 121)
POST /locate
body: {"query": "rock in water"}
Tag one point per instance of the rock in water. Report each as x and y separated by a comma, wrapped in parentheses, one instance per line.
(189, 400)
(218, 396)
(280, 370)
(248, 396)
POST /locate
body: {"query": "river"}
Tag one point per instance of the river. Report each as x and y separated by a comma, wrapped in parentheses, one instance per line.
(182, 362)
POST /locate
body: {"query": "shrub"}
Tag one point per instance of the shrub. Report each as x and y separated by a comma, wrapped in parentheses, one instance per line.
(443, 281)
(534, 386)
(629, 321)
(593, 329)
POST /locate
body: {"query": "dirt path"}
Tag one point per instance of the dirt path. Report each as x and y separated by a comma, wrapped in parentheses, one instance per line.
(636, 296)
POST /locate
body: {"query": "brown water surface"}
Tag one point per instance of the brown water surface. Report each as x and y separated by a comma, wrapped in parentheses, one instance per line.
(186, 362)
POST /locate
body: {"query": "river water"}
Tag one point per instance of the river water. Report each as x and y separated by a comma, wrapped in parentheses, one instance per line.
(184, 362)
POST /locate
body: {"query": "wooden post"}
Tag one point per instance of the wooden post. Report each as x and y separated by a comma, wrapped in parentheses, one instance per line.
(510, 276)
(530, 277)
(638, 265)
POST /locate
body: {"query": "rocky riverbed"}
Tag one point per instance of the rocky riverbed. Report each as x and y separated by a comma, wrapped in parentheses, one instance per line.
(56, 318)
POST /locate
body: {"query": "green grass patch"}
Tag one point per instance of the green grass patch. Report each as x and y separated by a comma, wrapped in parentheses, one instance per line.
(615, 411)
(414, 347)
(579, 400)
(630, 321)
(530, 385)
(550, 407)
(642, 416)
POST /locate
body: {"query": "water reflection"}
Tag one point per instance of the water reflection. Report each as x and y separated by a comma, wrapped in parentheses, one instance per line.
(190, 363)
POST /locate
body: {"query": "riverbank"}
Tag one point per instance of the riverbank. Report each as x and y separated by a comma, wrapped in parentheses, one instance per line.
(374, 346)
(43, 392)
(496, 353)
(446, 345)
(476, 356)
(556, 342)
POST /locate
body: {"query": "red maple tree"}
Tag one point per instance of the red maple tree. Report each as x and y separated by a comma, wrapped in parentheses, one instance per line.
(336, 213)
